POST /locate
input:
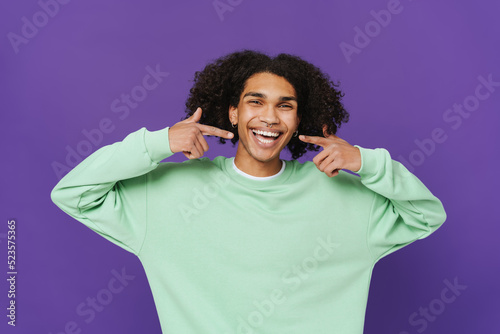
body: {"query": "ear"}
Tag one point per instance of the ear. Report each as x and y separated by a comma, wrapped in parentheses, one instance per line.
(233, 115)
(325, 131)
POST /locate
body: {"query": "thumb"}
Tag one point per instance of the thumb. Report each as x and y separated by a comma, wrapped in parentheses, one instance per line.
(196, 116)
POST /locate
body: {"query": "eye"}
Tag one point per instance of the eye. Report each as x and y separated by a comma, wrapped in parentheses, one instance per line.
(254, 102)
(285, 106)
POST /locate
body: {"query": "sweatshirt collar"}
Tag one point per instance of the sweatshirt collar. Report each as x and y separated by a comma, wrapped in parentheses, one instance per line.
(259, 178)
(258, 182)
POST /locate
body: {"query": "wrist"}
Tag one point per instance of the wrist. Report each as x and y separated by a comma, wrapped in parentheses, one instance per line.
(157, 144)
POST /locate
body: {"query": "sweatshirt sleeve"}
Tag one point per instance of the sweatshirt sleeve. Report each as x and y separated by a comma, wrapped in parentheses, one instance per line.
(403, 209)
(108, 190)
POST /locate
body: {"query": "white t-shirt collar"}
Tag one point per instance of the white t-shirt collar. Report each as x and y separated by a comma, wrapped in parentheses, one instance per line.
(260, 178)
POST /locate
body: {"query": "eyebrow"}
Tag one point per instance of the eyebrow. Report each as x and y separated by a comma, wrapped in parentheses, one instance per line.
(263, 96)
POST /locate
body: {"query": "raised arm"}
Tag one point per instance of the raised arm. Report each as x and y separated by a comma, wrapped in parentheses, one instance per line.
(107, 191)
(403, 209)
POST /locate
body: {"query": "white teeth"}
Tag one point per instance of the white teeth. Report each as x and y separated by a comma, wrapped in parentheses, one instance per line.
(265, 141)
(266, 133)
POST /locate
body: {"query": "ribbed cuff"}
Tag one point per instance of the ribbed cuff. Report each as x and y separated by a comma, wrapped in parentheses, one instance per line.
(368, 161)
(157, 144)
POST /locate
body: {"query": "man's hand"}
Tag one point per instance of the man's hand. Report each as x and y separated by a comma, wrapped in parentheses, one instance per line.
(187, 136)
(337, 154)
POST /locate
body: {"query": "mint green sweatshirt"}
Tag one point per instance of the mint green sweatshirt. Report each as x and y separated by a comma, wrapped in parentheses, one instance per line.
(226, 254)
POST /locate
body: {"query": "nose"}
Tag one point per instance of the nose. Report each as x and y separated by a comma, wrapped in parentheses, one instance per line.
(269, 115)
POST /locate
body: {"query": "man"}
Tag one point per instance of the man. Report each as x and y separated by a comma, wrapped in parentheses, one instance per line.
(253, 244)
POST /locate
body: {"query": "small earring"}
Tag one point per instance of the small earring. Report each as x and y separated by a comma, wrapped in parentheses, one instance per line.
(296, 133)
(234, 125)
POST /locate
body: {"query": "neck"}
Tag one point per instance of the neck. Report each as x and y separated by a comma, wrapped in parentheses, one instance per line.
(258, 168)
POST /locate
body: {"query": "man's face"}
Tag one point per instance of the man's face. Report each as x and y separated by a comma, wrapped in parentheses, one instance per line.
(267, 99)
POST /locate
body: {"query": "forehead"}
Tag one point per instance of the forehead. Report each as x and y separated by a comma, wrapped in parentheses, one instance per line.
(269, 84)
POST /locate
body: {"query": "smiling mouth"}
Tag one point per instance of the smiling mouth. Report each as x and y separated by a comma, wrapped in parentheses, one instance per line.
(266, 137)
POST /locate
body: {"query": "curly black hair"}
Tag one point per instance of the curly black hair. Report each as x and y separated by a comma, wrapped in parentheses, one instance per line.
(222, 82)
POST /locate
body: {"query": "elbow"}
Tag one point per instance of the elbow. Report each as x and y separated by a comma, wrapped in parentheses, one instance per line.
(55, 196)
(438, 216)
(443, 217)
(60, 198)
(63, 200)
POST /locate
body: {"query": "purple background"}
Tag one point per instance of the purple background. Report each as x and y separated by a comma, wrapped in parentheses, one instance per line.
(397, 88)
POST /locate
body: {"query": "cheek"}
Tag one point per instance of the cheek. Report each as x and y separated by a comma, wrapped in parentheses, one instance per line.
(292, 122)
(246, 115)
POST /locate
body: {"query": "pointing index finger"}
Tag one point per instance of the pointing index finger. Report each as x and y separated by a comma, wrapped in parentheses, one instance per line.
(208, 130)
(321, 141)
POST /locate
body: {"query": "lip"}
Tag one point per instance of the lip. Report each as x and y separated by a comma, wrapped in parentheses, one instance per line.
(265, 145)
